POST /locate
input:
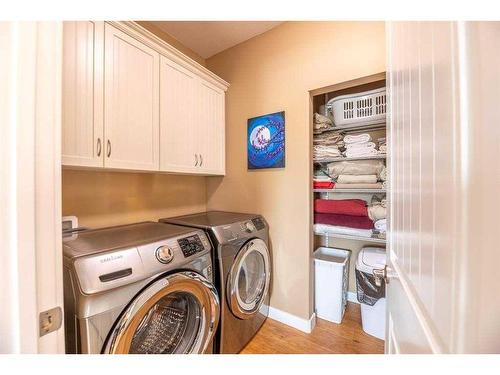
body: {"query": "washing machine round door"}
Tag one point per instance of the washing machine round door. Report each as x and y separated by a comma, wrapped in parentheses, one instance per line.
(249, 279)
(178, 313)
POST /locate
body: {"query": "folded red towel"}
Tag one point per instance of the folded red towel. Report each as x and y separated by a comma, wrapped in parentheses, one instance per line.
(323, 185)
(354, 207)
(359, 222)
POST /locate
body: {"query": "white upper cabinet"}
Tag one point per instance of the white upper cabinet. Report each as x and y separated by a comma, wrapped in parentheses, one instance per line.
(82, 112)
(178, 87)
(131, 102)
(191, 122)
(211, 128)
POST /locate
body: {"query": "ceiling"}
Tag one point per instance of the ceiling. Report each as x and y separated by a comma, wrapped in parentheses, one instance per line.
(208, 38)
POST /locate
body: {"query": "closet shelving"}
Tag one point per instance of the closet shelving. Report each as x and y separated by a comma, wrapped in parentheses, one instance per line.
(373, 191)
(377, 129)
(350, 159)
(354, 238)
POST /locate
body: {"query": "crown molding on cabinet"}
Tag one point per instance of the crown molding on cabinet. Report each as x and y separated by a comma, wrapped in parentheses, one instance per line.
(169, 51)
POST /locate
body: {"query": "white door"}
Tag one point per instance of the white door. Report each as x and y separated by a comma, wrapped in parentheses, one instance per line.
(179, 129)
(30, 186)
(443, 82)
(131, 102)
(211, 129)
(82, 100)
(423, 186)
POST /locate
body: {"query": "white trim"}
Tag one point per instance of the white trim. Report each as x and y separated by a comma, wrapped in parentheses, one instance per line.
(304, 325)
(352, 297)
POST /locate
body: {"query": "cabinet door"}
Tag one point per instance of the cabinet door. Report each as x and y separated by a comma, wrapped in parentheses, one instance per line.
(82, 99)
(211, 129)
(131, 102)
(178, 127)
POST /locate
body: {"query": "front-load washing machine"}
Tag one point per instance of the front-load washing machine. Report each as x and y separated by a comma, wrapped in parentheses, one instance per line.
(242, 261)
(140, 288)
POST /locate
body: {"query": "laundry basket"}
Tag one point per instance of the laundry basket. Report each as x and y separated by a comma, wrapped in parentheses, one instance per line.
(368, 107)
(331, 268)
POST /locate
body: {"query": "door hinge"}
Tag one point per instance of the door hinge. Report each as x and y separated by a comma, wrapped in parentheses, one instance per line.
(50, 320)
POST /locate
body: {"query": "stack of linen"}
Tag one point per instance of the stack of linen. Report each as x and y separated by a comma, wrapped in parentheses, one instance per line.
(325, 153)
(322, 181)
(326, 146)
(329, 138)
(381, 228)
(377, 211)
(347, 216)
(359, 146)
(382, 146)
(383, 178)
(359, 174)
(321, 123)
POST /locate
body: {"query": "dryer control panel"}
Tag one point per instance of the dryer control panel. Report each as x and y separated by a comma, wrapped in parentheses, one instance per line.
(191, 245)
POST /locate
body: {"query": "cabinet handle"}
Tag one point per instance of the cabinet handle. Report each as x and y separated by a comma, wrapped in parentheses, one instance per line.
(109, 148)
(196, 159)
(99, 148)
(201, 158)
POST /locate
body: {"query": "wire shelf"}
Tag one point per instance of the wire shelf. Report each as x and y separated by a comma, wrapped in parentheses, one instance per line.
(374, 191)
(355, 238)
(374, 157)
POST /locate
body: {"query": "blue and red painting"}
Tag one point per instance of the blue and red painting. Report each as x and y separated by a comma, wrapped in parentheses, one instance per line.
(266, 141)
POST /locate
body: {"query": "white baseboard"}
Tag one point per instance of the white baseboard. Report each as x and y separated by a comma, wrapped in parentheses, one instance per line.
(304, 325)
(352, 297)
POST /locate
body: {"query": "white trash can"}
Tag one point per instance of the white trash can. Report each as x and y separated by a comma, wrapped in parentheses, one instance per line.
(371, 296)
(331, 268)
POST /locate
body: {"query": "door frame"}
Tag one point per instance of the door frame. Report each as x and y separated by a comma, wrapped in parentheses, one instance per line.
(30, 184)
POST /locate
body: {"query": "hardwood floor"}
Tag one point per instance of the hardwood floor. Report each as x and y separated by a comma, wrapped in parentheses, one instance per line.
(326, 338)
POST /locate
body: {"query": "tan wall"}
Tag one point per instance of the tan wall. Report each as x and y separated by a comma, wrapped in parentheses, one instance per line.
(172, 41)
(102, 199)
(270, 73)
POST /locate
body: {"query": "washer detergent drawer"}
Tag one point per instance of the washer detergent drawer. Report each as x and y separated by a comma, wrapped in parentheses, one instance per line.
(107, 271)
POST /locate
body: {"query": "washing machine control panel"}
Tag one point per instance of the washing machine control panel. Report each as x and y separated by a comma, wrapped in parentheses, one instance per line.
(247, 226)
(191, 245)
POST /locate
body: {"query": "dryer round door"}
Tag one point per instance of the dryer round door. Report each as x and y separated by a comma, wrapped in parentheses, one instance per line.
(249, 279)
(178, 313)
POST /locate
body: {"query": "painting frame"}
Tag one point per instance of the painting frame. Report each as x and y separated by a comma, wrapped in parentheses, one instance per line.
(266, 141)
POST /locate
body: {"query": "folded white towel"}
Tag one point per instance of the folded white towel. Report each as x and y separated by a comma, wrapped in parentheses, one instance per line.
(359, 138)
(381, 225)
(325, 152)
(352, 146)
(360, 152)
(354, 179)
(333, 229)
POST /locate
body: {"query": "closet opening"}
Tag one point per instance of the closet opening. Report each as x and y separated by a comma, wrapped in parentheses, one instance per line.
(348, 185)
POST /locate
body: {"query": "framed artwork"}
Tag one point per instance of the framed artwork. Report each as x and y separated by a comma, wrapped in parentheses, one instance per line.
(266, 141)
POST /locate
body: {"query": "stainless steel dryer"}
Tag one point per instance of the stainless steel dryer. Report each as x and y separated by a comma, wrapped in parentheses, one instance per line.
(242, 272)
(139, 288)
